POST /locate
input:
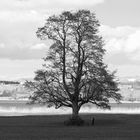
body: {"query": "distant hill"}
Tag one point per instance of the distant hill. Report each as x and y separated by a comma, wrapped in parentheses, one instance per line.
(134, 82)
(22, 80)
(129, 79)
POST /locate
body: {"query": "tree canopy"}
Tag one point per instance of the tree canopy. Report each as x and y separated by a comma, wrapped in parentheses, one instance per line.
(74, 72)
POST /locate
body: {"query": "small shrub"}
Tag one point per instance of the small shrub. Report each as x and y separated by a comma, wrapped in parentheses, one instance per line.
(74, 121)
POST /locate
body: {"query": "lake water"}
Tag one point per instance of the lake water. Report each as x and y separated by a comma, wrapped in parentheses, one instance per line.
(19, 108)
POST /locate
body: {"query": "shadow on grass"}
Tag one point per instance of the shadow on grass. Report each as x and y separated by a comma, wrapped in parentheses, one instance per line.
(59, 120)
(105, 122)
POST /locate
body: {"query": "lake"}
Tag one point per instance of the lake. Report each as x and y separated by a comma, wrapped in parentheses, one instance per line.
(19, 108)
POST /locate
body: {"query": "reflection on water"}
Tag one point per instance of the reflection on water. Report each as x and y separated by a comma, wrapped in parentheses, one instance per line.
(18, 108)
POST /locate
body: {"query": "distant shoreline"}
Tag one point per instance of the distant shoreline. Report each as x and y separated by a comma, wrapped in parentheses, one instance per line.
(26, 99)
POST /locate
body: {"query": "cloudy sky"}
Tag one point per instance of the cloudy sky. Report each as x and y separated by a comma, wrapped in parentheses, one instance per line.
(21, 51)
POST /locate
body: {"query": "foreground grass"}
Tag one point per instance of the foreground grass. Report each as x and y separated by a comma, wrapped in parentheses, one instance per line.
(107, 127)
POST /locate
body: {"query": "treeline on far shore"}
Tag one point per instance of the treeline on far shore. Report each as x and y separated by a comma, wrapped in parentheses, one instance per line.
(9, 82)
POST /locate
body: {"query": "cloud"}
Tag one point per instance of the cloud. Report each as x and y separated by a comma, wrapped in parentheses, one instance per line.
(20, 20)
(133, 42)
(125, 70)
(41, 5)
(114, 45)
(18, 16)
(23, 52)
(121, 42)
(117, 32)
(2, 45)
(15, 69)
(40, 46)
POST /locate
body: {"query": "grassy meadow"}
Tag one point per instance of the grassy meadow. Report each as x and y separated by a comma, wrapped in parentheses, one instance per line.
(51, 127)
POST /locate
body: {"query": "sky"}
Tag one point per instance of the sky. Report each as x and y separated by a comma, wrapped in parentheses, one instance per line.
(21, 52)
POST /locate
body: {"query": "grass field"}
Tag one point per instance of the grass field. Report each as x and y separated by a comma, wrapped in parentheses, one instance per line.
(107, 127)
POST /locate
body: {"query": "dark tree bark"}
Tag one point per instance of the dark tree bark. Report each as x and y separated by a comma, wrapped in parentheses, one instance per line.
(75, 110)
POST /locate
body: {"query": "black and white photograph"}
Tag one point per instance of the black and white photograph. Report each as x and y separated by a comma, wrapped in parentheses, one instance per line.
(69, 69)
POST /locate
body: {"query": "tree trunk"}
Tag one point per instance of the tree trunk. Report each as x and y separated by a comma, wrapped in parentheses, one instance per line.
(75, 120)
(75, 110)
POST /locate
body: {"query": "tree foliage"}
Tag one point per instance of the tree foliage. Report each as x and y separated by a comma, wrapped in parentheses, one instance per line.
(74, 72)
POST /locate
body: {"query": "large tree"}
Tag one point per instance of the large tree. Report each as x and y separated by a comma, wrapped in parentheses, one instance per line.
(74, 72)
